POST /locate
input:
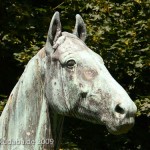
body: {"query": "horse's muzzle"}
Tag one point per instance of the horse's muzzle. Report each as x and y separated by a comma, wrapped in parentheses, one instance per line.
(121, 127)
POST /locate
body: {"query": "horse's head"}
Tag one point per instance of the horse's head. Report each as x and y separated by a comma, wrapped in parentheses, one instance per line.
(78, 84)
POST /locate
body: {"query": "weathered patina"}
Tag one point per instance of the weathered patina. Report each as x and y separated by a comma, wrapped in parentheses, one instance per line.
(65, 78)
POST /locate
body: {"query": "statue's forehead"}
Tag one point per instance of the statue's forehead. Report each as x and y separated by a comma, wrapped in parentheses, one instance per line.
(72, 44)
(73, 48)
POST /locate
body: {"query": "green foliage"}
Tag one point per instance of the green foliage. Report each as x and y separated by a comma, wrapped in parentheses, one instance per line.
(118, 30)
(3, 102)
(143, 106)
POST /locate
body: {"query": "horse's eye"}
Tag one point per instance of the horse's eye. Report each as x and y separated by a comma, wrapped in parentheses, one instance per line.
(70, 64)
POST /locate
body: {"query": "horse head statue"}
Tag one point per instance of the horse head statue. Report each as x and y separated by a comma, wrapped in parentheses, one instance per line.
(65, 78)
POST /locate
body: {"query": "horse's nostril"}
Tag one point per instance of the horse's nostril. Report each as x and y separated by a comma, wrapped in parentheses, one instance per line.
(119, 109)
(83, 95)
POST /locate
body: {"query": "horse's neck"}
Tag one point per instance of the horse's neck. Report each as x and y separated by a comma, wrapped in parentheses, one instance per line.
(27, 114)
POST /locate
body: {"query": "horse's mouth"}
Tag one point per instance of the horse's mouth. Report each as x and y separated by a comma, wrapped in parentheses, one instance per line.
(121, 128)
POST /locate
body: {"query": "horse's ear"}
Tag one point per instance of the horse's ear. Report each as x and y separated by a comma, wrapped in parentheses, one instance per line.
(54, 31)
(80, 28)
